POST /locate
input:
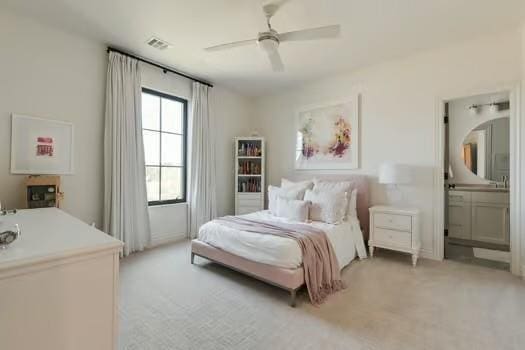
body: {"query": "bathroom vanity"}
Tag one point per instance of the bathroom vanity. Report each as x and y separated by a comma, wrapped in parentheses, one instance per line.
(479, 213)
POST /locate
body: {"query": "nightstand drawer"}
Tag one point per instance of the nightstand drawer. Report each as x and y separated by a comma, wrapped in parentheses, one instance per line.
(393, 238)
(393, 222)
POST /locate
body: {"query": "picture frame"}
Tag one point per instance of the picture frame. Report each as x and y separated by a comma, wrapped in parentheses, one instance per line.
(41, 146)
(327, 135)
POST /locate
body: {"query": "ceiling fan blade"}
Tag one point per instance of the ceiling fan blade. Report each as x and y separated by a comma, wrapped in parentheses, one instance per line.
(231, 45)
(276, 61)
(328, 32)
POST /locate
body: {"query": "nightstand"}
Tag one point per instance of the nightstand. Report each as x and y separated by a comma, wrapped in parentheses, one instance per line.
(395, 229)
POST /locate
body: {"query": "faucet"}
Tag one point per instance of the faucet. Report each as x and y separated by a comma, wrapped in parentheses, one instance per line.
(505, 180)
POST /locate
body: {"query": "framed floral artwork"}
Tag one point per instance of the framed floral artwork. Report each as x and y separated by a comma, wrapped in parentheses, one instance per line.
(327, 136)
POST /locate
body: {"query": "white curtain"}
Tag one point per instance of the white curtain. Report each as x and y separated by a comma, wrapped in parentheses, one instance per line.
(202, 171)
(125, 201)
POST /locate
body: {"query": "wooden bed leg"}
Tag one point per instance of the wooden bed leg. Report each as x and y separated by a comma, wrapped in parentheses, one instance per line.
(192, 258)
(293, 294)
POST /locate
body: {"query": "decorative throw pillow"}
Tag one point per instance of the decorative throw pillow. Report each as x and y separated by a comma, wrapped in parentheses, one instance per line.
(307, 184)
(335, 186)
(293, 209)
(352, 204)
(329, 207)
(276, 192)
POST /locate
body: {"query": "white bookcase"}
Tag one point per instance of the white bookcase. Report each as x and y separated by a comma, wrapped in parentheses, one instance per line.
(250, 181)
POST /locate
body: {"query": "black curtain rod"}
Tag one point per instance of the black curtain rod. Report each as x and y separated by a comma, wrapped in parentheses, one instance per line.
(158, 65)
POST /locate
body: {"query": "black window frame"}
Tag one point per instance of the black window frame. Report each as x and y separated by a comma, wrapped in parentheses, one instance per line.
(184, 147)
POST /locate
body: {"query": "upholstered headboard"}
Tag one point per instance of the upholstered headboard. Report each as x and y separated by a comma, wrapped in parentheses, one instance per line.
(361, 183)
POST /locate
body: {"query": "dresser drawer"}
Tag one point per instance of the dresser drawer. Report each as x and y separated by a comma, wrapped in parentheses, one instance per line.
(459, 196)
(393, 238)
(393, 222)
(248, 195)
(250, 202)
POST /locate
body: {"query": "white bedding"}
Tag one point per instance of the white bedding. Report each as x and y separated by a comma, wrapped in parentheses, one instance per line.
(346, 238)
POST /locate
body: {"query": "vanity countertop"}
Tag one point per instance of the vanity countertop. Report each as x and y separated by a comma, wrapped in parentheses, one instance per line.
(474, 188)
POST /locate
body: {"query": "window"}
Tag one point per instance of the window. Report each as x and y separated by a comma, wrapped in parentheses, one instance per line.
(164, 120)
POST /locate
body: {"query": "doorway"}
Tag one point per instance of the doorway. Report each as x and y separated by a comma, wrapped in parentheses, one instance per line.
(477, 180)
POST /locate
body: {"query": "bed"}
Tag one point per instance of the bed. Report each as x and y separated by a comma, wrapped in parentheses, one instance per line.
(278, 260)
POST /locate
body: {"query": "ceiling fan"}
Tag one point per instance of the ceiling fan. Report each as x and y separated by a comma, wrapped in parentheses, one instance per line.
(270, 40)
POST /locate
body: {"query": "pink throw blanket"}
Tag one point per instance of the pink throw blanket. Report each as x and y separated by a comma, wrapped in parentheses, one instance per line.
(321, 269)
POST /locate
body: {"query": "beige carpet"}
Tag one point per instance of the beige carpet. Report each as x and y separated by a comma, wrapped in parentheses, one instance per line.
(166, 303)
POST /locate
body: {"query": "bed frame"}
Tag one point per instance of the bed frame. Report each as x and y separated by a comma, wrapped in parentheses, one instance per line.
(290, 280)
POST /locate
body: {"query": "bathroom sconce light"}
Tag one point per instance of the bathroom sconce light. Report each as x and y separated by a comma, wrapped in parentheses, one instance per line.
(473, 109)
(494, 107)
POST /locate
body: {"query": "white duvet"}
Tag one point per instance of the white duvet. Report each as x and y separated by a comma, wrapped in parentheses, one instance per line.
(346, 238)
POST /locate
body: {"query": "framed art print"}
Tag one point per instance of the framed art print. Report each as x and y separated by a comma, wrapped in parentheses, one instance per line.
(327, 136)
(41, 146)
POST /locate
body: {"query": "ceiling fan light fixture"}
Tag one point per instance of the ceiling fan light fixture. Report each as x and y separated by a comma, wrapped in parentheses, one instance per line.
(268, 44)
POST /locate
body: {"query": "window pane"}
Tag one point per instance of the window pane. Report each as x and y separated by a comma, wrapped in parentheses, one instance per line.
(150, 111)
(152, 183)
(171, 185)
(152, 147)
(172, 116)
(171, 149)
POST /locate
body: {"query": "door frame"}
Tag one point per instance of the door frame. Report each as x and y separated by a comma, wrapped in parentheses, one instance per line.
(516, 183)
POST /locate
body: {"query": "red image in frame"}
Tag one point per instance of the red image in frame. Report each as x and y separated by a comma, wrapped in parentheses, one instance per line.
(44, 146)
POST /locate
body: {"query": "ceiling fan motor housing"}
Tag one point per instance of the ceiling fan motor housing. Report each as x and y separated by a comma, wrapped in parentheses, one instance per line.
(268, 41)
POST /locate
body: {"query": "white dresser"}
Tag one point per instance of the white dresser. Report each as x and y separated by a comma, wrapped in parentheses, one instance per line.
(58, 284)
(395, 229)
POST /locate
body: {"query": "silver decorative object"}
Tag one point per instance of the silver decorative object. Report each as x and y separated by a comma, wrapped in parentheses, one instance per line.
(4, 212)
(8, 234)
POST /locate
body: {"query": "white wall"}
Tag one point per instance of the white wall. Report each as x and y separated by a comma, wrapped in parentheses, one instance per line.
(234, 116)
(51, 74)
(399, 107)
(461, 123)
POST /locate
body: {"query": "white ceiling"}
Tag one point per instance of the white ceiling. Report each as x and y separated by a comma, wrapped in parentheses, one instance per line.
(372, 31)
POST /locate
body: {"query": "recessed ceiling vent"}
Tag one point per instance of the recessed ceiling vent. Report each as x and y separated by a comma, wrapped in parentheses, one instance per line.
(158, 43)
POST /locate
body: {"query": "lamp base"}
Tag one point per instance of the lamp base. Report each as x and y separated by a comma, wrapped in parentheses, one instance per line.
(395, 195)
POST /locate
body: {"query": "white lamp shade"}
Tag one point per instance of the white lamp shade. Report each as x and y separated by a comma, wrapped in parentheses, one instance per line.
(395, 174)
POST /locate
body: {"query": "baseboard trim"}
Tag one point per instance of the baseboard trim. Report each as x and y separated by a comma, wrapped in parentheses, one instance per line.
(428, 254)
(159, 240)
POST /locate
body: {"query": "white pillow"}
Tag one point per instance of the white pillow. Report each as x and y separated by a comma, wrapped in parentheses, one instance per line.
(293, 209)
(307, 185)
(326, 206)
(335, 186)
(274, 192)
(352, 204)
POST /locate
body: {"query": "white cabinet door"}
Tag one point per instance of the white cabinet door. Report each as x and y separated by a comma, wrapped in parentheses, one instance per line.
(459, 215)
(490, 223)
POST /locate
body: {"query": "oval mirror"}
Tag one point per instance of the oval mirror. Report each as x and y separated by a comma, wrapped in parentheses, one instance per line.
(485, 150)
